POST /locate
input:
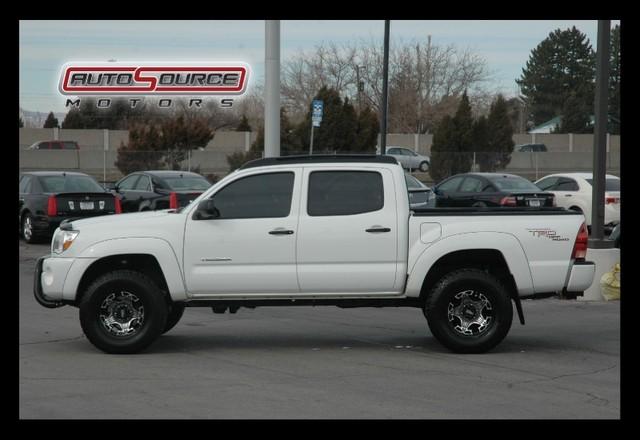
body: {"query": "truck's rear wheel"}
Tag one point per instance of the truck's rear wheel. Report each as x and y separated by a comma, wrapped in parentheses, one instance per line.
(176, 311)
(469, 311)
(123, 312)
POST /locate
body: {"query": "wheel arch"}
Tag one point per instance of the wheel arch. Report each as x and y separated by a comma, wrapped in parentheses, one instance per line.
(156, 259)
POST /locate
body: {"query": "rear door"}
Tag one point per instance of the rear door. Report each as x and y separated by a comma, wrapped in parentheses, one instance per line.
(348, 232)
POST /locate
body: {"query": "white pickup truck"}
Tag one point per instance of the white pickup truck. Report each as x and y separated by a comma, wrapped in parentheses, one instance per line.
(315, 230)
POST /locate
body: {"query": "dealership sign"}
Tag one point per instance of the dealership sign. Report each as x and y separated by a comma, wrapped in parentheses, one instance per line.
(153, 79)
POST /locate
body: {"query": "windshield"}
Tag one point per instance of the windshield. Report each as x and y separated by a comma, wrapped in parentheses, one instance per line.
(55, 184)
(610, 185)
(187, 183)
(513, 183)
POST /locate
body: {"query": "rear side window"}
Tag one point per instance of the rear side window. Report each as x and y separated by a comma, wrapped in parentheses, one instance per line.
(565, 184)
(344, 192)
(547, 184)
(129, 182)
(144, 184)
(258, 196)
(56, 145)
(69, 145)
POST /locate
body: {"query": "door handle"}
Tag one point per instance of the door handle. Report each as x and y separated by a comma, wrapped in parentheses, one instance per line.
(281, 232)
(567, 195)
(378, 229)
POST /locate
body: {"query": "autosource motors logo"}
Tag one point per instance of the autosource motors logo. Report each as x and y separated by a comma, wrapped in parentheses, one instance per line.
(153, 78)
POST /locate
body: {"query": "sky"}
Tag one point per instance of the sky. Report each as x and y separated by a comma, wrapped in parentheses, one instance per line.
(44, 46)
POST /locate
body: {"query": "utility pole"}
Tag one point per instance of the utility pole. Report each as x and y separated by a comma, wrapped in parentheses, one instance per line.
(600, 137)
(272, 89)
(385, 82)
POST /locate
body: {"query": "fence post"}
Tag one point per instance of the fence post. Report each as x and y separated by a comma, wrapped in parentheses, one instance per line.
(416, 143)
(247, 141)
(104, 154)
(570, 142)
(56, 134)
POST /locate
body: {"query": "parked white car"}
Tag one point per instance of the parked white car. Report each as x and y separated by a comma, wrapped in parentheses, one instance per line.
(573, 191)
(409, 159)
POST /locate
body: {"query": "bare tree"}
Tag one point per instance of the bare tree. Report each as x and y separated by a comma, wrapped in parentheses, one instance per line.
(422, 77)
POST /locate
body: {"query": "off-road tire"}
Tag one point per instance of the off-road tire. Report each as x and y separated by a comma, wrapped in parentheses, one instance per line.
(149, 296)
(446, 326)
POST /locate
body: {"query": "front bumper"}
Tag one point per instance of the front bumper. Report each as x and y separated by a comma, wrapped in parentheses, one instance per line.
(580, 277)
(38, 292)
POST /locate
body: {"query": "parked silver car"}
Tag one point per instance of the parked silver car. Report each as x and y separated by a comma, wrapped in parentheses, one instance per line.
(409, 159)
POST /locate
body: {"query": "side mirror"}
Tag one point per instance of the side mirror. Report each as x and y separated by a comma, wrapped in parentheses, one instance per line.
(206, 210)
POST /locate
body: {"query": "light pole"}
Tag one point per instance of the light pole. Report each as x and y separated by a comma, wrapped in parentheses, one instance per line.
(385, 82)
(272, 89)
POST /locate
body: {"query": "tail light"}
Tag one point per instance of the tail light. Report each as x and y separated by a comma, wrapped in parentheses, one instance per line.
(508, 201)
(52, 206)
(609, 200)
(118, 205)
(173, 201)
(580, 247)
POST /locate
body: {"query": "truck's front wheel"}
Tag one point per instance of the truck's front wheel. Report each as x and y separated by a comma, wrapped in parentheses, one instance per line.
(469, 311)
(123, 312)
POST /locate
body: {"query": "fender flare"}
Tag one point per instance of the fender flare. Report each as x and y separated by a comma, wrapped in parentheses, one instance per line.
(160, 249)
(505, 243)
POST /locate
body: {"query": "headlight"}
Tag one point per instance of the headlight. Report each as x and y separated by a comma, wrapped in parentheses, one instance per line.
(63, 240)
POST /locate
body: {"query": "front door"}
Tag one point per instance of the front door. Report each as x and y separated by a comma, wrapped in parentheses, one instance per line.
(250, 247)
(348, 232)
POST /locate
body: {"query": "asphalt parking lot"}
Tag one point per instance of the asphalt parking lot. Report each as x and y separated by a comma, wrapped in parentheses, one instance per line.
(320, 363)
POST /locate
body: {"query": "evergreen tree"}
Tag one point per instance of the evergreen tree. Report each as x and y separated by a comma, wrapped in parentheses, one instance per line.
(368, 128)
(51, 121)
(442, 157)
(481, 142)
(575, 117)
(614, 82)
(453, 143)
(289, 143)
(500, 137)
(337, 129)
(562, 63)
(244, 124)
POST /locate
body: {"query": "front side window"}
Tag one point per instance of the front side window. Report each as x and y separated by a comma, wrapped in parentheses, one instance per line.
(24, 184)
(258, 196)
(344, 192)
(450, 185)
(471, 185)
(129, 182)
(144, 184)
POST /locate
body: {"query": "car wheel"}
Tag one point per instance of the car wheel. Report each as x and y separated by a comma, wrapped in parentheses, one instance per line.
(479, 205)
(176, 310)
(28, 234)
(469, 311)
(424, 166)
(123, 312)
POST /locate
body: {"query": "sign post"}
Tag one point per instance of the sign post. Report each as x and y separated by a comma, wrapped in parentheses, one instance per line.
(316, 117)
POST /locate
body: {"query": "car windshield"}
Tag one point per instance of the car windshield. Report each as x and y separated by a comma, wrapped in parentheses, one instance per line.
(412, 182)
(511, 183)
(187, 183)
(610, 185)
(56, 184)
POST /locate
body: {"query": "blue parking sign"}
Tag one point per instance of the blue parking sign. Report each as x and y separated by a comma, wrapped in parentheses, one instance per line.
(317, 107)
